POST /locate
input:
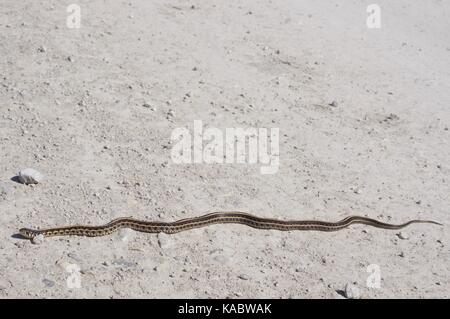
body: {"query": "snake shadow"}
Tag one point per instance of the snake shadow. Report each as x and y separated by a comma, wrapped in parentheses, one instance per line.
(341, 292)
(15, 179)
(18, 236)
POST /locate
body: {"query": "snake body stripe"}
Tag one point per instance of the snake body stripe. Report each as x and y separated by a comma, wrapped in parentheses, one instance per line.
(210, 219)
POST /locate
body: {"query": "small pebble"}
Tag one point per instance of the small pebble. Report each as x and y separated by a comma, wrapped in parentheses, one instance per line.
(391, 117)
(243, 277)
(48, 282)
(125, 234)
(124, 263)
(221, 259)
(37, 240)
(351, 291)
(30, 176)
(402, 235)
(333, 104)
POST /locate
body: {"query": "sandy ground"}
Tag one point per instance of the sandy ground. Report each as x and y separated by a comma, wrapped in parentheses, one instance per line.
(72, 107)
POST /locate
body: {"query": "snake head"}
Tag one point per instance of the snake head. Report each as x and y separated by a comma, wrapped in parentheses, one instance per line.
(27, 233)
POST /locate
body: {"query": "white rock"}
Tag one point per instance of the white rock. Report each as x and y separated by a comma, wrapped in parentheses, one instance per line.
(351, 291)
(37, 240)
(30, 176)
(403, 235)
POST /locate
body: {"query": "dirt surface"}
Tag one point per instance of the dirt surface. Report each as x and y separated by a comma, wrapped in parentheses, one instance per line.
(93, 109)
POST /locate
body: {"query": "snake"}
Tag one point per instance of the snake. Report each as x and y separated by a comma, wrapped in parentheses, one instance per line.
(210, 219)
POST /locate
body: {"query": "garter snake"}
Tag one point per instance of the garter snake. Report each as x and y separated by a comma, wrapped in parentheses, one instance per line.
(210, 219)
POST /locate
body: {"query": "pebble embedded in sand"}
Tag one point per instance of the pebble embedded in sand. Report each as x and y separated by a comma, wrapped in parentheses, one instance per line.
(402, 235)
(243, 277)
(170, 113)
(333, 103)
(221, 259)
(351, 291)
(74, 257)
(123, 263)
(19, 244)
(48, 283)
(37, 240)
(391, 117)
(30, 176)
